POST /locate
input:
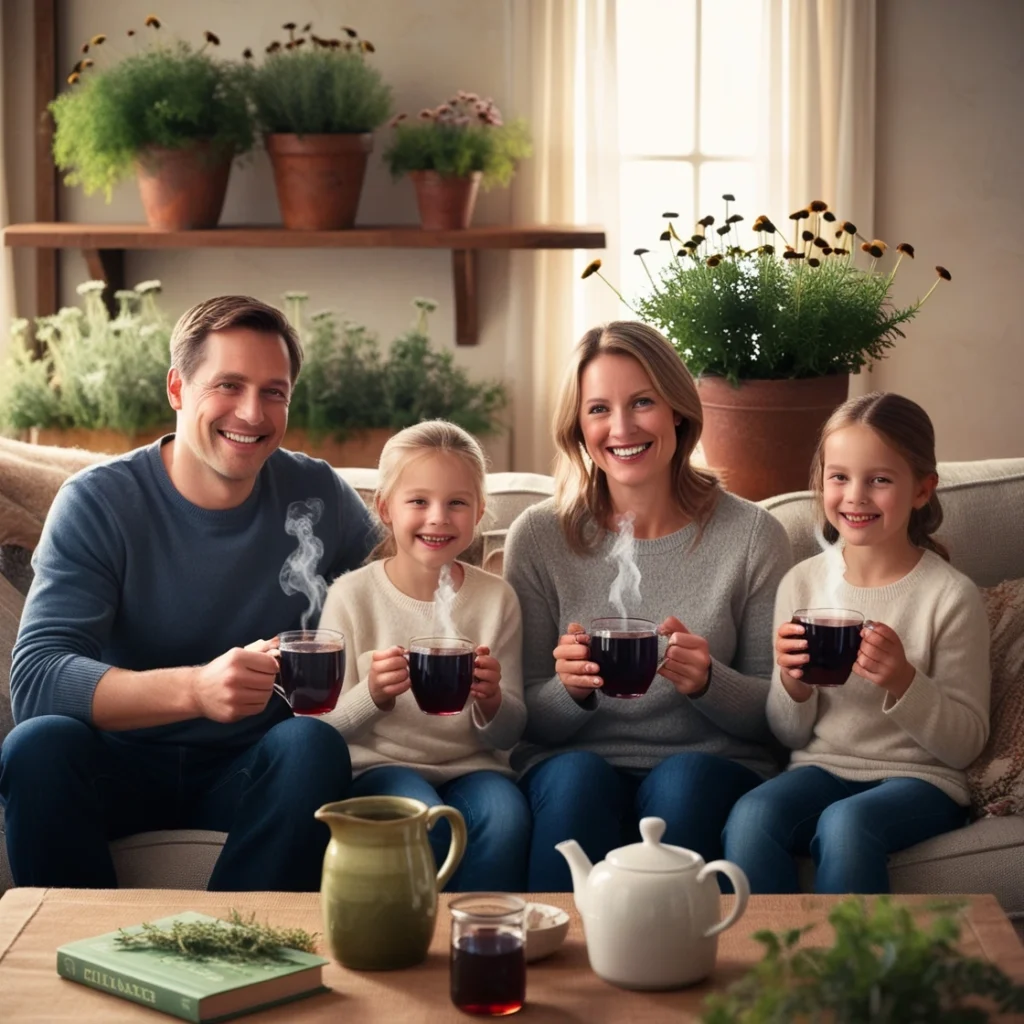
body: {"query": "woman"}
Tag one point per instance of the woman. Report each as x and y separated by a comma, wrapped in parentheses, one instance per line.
(627, 422)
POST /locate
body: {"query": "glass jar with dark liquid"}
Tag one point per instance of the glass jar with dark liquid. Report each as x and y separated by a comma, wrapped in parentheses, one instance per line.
(488, 954)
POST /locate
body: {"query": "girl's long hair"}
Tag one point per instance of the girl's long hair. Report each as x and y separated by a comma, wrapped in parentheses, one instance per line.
(426, 438)
(582, 497)
(905, 427)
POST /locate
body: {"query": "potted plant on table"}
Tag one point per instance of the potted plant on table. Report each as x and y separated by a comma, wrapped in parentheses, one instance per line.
(772, 329)
(175, 116)
(450, 150)
(317, 102)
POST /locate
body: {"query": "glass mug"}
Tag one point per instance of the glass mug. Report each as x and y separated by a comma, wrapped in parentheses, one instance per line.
(626, 653)
(441, 673)
(833, 640)
(311, 669)
(488, 953)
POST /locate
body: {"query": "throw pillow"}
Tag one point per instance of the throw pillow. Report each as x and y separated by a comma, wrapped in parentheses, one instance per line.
(996, 779)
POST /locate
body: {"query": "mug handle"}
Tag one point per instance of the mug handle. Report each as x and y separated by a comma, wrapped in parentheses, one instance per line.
(740, 885)
(458, 843)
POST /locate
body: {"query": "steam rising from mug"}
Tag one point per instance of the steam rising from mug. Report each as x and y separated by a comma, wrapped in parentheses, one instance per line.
(626, 585)
(444, 597)
(298, 574)
(835, 571)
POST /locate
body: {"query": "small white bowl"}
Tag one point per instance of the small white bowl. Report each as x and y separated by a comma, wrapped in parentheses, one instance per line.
(546, 929)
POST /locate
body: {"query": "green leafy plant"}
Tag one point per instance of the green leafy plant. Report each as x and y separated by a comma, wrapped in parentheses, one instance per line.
(464, 135)
(95, 371)
(348, 384)
(238, 939)
(309, 85)
(166, 94)
(816, 307)
(883, 968)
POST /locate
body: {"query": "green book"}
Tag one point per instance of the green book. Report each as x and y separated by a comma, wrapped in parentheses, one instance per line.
(202, 991)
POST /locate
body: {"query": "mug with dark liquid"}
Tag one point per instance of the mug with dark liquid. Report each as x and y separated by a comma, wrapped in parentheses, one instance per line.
(441, 673)
(833, 640)
(312, 669)
(626, 652)
(488, 953)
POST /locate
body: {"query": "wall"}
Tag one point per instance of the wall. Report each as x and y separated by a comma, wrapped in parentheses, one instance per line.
(426, 49)
(950, 148)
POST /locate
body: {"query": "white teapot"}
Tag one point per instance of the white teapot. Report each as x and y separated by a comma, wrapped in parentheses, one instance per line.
(651, 911)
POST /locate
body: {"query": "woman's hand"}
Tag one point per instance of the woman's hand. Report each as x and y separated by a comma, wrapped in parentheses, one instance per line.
(389, 677)
(687, 664)
(572, 665)
(791, 656)
(486, 686)
(881, 659)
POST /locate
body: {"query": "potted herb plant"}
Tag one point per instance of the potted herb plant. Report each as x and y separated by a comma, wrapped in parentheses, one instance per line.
(772, 328)
(317, 102)
(450, 150)
(173, 115)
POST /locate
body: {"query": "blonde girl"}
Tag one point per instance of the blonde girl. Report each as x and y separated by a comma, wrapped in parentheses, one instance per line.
(429, 500)
(878, 762)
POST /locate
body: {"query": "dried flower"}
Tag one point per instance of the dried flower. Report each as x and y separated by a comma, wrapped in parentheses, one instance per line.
(735, 218)
(85, 48)
(664, 236)
(98, 40)
(812, 262)
(307, 26)
(817, 206)
(807, 236)
(850, 229)
(247, 53)
(944, 273)
(906, 248)
(706, 222)
(289, 26)
(799, 215)
(273, 47)
(367, 46)
(723, 230)
(879, 244)
(73, 78)
(729, 197)
(350, 32)
(87, 63)
(829, 216)
(592, 268)
(211, 38)
(713, 261)
(640, 252)
(152, 21)
(669, 215)
(820, 243)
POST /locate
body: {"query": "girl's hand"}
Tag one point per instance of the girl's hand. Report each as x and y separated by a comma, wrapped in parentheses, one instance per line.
(791, 656)
(571, 664)
(687, 664)
(389, 676)
(882, 661)
(486, 686)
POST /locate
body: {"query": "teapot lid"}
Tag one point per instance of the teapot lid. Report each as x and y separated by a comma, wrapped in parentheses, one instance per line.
(652, 854)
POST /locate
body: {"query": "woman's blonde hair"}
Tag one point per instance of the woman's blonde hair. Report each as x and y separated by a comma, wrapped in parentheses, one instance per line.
(427, 438)
(581, 489)
(905, 427)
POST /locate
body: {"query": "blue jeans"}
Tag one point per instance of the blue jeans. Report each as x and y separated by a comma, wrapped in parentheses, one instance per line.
(497, 823)
(580, 796)
(848, 828)
(69, 789)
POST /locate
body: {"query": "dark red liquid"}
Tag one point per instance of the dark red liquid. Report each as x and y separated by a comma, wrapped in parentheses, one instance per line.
(311, 675)
(832, 645)
(441, 680)
(627, 663)
(488, 972)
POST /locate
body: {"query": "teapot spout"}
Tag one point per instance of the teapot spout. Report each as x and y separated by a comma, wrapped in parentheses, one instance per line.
(580, 866)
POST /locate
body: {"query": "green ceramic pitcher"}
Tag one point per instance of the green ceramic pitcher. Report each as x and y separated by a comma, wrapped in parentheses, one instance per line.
(378, 893)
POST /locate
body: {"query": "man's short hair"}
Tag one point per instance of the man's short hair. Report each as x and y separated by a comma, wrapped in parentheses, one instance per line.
(223, 313)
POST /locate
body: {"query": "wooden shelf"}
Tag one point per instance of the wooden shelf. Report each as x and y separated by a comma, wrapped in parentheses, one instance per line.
(104, 245)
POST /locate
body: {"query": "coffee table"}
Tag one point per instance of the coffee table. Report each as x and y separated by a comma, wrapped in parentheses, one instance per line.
(561, 989)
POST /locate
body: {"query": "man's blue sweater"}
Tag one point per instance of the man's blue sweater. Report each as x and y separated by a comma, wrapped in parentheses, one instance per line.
(129, 573)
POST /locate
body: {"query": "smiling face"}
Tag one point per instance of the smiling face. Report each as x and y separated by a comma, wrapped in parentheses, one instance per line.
(629, 430)
(433, 509)
(869, 489)
(232, 414)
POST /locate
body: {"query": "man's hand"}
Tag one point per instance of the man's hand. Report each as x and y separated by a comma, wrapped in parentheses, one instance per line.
(236, 685)
(571, 665)
(687, 661)
(791, 656)
(389, 676)
(486, 686)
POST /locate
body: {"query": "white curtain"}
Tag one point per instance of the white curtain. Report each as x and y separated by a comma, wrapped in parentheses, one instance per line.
(563, 67)
(818, 112)
(7, 310)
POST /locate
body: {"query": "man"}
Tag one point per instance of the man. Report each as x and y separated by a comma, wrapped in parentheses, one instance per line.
(142, 689)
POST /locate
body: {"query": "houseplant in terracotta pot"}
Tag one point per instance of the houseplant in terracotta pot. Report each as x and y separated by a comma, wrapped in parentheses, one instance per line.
(173, 115)
(449, 151)
(317, 102)
(772, 326)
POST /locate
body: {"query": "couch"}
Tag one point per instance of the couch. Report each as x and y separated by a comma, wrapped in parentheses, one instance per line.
(983, 528)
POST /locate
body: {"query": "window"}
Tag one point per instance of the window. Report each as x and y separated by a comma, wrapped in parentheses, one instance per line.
(688, 107)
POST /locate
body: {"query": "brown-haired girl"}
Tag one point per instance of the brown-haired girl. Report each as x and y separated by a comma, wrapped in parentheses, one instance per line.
(878, 762)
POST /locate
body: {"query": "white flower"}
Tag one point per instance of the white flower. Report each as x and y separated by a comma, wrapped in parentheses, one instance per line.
(91, 287)
(147, 287)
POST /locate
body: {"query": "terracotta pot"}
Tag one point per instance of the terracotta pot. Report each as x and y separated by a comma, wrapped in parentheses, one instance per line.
(183, 188)
(760, 436)
(445, 204)
(109, 441)
(358, 449)
(319, 178)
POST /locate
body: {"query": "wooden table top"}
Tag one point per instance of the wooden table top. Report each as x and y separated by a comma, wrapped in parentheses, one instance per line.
(560, 989)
